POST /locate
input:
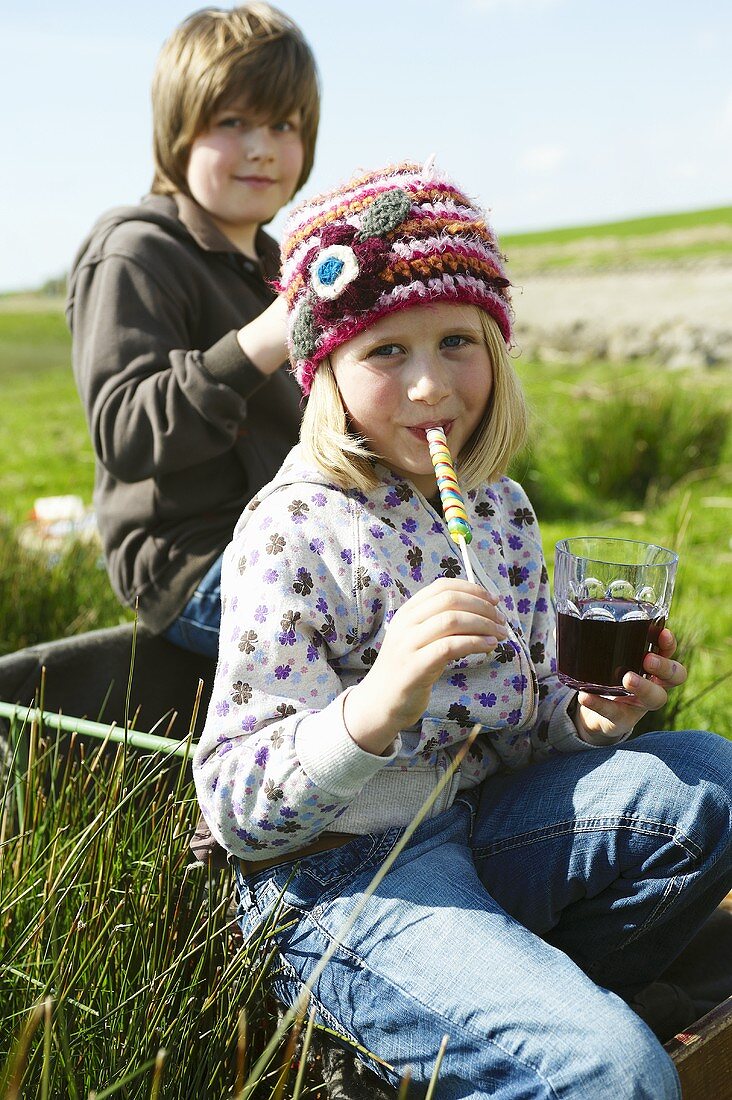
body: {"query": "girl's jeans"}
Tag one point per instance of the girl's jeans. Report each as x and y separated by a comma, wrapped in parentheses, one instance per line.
(517, 923)
(197, 626)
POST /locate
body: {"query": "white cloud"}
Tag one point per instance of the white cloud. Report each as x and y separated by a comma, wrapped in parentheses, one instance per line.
(708, 41)
(542, 160)
(687, 170)
(726, 117)
(512, 5)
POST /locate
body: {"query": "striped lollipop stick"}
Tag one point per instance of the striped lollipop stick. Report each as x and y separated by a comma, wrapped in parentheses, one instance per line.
(453, 504)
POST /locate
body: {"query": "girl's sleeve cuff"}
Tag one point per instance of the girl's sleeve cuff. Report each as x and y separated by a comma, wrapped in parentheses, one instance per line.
(564, 736)
(330, 757)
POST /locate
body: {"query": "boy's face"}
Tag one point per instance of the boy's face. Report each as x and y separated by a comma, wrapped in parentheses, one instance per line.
(242, 170)
(419, 368)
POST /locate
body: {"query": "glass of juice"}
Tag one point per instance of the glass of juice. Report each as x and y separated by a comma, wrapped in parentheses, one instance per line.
(612, 598)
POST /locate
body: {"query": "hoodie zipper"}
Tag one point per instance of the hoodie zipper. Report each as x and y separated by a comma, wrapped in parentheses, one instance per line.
(530, 696)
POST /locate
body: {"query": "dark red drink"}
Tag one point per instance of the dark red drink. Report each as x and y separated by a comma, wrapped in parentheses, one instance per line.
(604, 641)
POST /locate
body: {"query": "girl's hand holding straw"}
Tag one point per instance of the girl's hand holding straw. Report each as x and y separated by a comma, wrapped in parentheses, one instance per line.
(446, 621)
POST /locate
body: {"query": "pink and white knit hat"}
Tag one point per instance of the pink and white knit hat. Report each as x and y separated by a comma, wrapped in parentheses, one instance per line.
(386, 241)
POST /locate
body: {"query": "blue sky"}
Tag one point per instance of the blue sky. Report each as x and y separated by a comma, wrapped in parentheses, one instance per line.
(552, 112)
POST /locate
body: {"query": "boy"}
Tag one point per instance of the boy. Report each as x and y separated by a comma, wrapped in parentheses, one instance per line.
(177, 336)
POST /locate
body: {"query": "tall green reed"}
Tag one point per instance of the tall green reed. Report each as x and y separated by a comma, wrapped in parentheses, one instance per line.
(627, 439)
(127, 952)
(111, 936)
(642, 441)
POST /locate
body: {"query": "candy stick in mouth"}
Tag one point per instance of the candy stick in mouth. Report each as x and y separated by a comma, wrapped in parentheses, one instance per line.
(453, 504)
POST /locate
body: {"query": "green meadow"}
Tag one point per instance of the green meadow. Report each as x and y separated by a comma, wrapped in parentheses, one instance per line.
(121, 969)
(690, 237)
(616, 449)
(44, 447)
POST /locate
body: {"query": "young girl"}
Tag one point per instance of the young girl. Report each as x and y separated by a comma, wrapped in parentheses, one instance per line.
(533, 902)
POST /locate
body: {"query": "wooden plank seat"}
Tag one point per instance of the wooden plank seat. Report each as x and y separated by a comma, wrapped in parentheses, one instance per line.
(703, 1055)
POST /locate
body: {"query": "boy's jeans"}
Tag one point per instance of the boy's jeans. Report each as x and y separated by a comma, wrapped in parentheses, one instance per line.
(197, 626)
(508, 919)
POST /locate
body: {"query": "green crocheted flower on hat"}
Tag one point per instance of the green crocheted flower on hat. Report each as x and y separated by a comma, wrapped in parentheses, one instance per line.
(385, 213)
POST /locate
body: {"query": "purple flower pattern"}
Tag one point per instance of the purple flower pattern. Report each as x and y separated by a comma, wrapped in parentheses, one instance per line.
(312, 577)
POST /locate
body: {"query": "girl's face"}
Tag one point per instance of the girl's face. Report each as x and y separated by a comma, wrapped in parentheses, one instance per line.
(415, 369)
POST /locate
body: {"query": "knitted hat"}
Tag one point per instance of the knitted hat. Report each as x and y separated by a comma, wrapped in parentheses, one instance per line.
(386, 241)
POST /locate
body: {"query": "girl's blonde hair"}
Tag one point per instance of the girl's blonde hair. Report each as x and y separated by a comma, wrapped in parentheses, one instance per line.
(346, 459)
(217, 56)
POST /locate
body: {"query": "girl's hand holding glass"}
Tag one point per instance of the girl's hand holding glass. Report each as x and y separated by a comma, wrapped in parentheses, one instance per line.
(600, 718)
(443, 622)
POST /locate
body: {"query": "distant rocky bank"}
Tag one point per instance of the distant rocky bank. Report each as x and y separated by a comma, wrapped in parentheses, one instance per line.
(677, 313)
(679, 316)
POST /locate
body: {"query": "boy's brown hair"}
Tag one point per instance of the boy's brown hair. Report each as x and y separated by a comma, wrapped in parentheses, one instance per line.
(216, 57)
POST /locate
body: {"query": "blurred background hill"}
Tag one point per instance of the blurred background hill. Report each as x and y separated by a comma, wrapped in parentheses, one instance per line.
(656, 288)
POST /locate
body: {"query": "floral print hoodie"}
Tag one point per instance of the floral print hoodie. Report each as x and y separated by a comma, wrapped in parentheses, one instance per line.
(310, 581)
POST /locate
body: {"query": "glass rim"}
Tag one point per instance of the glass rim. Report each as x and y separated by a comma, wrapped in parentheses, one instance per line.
(563, 547)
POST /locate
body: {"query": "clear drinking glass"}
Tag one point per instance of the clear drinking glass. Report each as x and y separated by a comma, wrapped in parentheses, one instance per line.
(612, 598)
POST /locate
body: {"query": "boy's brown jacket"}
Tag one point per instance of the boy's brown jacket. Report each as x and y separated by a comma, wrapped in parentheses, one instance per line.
(184, 427)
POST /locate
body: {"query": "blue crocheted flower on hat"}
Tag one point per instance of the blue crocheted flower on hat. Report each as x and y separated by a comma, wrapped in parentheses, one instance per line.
(332, 270)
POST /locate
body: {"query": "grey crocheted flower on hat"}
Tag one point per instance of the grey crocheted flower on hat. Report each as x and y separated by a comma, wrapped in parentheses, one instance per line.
(303, 336)
(385, 213)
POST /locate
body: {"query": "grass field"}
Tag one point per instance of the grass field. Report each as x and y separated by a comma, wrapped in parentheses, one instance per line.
(668, 447)
(44, 443)
(653, 225)
(702, 235)
(120, 971)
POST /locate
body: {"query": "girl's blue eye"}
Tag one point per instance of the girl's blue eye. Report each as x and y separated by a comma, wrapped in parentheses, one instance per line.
(386, 351)
(454, 341)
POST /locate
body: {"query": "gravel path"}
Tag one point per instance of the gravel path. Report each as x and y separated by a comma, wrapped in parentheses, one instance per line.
(638, 299)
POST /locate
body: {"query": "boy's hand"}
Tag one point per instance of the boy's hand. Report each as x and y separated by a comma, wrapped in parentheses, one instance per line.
(264, 340)
(443, 622)
(600, 720)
